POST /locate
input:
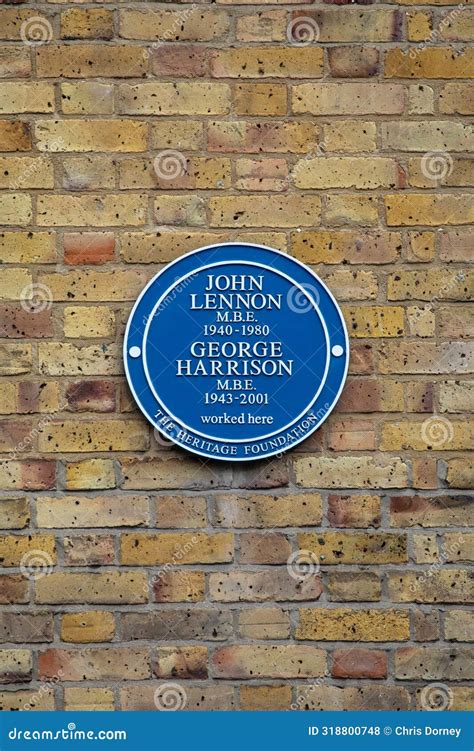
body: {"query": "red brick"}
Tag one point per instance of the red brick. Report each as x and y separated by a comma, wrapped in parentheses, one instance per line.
(89, 248)
(359, 663)
(91, 396)
(180, 61)
(18, 323)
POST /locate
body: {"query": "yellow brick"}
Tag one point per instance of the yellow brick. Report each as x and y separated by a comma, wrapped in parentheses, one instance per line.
(13, 18)
(88, 173)
(433, 284)
(359, 547)
(255, 137)
(267, 99)
(88, 699)
(26, 172)
(15, 665)
(192, 547)
(87, 23)
(92, 210)
(351, 209)
(91, 321)
(101, 511)
(435, 433)
(365, 173)
(264, 623)
(91, 474)
(350, 136)
(19, 96)
(430, 62)
(273, 661)
(27, 247)
(265, 697)
(450, 585)
(264, 26)
(432, 210)
(425, 548)
(457, 98)
(457, 25)
(253, 211)
(33, 700)
(421, 321)
(88, 435)
(267, 62)
(419, 25)
(346, 246)
(58, 358)
(15, 208)
(423, 135)
(192, 173)
(91, 626)
(259, 511)
(94, 286)
(15, 359)
(87, 98)
(341, 624)
(350, 471)
(177, 134)
(199, 25)
(138, 247)
(348, 98)
(28, 550)
(360, 25)
(14, 283)
(352, 285)
(188, 210)
(111, 587)
(14, 513)
(420, 99)
(175, 99)
(421, 246)
(85, 135)
(374, 321)
(27, 397)
(91, 61)
(179, 586)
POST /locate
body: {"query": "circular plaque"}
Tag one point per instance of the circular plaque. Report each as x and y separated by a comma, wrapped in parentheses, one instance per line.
(236, 352)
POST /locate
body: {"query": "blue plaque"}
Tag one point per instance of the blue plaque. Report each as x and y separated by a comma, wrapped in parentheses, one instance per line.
(236, 351)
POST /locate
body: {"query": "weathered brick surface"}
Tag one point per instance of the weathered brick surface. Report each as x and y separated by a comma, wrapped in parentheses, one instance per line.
(128, 563)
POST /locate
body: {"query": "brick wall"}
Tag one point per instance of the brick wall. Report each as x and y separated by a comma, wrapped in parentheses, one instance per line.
(332, 577)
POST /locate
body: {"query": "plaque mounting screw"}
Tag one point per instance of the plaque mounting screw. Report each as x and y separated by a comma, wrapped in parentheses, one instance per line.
(134, 351)
(337, 350)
